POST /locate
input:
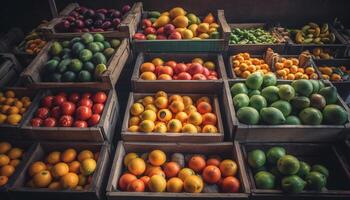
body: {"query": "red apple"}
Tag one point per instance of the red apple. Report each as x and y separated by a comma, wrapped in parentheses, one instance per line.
(164, 77)
(205, 71)
(213, 73)
(212, 77)
(161, 37)
(180, 67)
(199, 77)
(146, 23)
(166, 70)
(160, 31)
(169, 28)
(195, 68)
(139, 36)
(175, 36)
(184, 76)
(150, 30)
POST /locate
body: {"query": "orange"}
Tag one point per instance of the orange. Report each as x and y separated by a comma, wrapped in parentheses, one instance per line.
(288, 63)
(237, 71)
(175, 97)
(197, 163)
(315, 76)
(174, 185)
(204, 107)
(85, 154)
(137, 166)
(301, 70)
(214, 160)
(136, 109)
(295, 61)
(164, 115)
(7, 170)
(69, 155)
(157, 157)
(5, 147)
(185, 172)
(15, 162)
(54, 157)
(209, 118)
(150, 167)
(157, 61)
(189, 128)
(243, 66)
(15, 153)
(55, 185)
(189, 109)
(13, 110)
(10, 94)
(195, 118)
(305, 76)
(148, 115)
(193, 184)
(148, 100)
(9, 101)
(279, 65)
(19, 104)
(171, 169)
(235, 63)
(148, 76)
(228, 168)
(3, 180)
(293, 69)
(88, 166)
(133, 128)
(161, 102)
(309, 70)
(4, 160)
(147, 67)
(59, 169)
(129, 157)
(160, 127)
(187, 100)
(161, 94)
(145, 179)
(290, 77)
(181, 116)
(230, 184)
(156, 171)
(42, 179)
(157, 183)
(203, 99)
(151, 107)
(211, 174)
(36, 167)
(5, 108)
(69, 180)
(245, 74)
(334, 77)
(74, 167)
(177, 106)
(125, 180)
(174, 126)
(147, 126)
(136, 186)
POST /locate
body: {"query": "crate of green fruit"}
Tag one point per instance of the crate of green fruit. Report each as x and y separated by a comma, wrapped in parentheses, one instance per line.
(180, 30)
(91, 61)
(262, 108)
(177, 171)
(295, 171)
(192, 72)
(75, 20)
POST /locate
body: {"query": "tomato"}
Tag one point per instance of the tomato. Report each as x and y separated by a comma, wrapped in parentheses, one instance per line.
(50, 122)
(59, 99)
(68, 108)
(83, 113)
(94, 120)
(97, 108)
(86, 95)
(66, 121)
(36, 122)
(85, 102)
(100, 97)
(56, 112)
(80, 124)
(62, 94)
(42, 113)
(47, 101)
(74, 97)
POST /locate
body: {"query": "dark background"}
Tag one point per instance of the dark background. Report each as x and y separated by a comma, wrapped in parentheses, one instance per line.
(27, 14)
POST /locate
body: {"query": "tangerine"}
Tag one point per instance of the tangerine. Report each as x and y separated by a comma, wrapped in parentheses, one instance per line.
(125, 180)
(157, 157)
(211, 174)
(54, 157)
(69, 155)
(171, 169)
(69, 180)
(197, 163)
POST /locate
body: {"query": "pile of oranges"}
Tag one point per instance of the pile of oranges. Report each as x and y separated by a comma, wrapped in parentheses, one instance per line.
(154, 172)
(12, 108)
(10, 157)
(289, 69)
(174, 114)
(334, 73)
(63, 170)
(243, 65)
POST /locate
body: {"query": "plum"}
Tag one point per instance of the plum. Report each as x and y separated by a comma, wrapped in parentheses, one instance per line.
(102, 10)
(74, 13)
(126, 9)
(77, 30)
(106, 24)
(89, 13)
(169, 28)
(63, 25)
(79, 23)
(97, 30)
(70, 18)
(116, 14)
(100, 16)
(116, 21)
(88, 22)
(85, 30)
(98, 23)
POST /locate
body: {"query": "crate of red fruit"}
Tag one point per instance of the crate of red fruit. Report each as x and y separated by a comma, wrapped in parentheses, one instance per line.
(15, 107)
(91, 61)
(295, 171)
(264, 109)
(13, 157)
(180, 30)
(162, 117)
(63, 171)
(74, 20)
(177, 171)
(195, 72)
(76, 114)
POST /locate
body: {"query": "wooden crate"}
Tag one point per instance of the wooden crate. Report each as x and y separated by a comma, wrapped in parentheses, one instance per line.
(336, 63)
(172, 137)
(279, 133)
(126, 28)
(253, 48)
(8, 131)
(228, 149)
(103, 131)
(32, 75)
(184, 45)
(338, 182)
(93, 192)
(200, 86)
(28, 148)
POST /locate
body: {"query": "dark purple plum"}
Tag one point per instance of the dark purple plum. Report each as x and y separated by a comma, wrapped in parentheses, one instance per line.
(98, 23)
(116, 21)
(126, 9)
(100, 16)
(106, 24)
(89, 22)
(79, 23)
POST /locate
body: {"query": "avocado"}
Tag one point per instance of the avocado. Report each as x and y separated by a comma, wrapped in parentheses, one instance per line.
(293, 120)
(264, 180)
(89, 66)
(85, 55)
(77, 47)
(75, 65)
(270, 93)
(238, 88)
(55, 77)
(283, 106)
(288, 165)
(258, 102)
(303, 87)
(256, 158)
(108, 52)
(51, 65)
(99, 58)
(316, 180)
(68, 76)
(62, 67)
(275, 153)
(87, 38)
(65, 44)
(269, 79)
(240, 101)
(106, 44)
(94, 47)
(304, 170)
(115, 43)
(311, 116)
(320, 168)
(98, 37)
(254, 81)
(272, 116)
(84, 76)
(153, 14)
(56, 49)
(248, 115)
(330, 94)
(300, 102)
(293, 184)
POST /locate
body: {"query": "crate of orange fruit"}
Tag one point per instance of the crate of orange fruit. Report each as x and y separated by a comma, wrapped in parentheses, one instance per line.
(13, 158)
(182, 30)
(172, 117)
(195, 72)
(177, 171)
(15, 106)
(63, 171)
(335, 70)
